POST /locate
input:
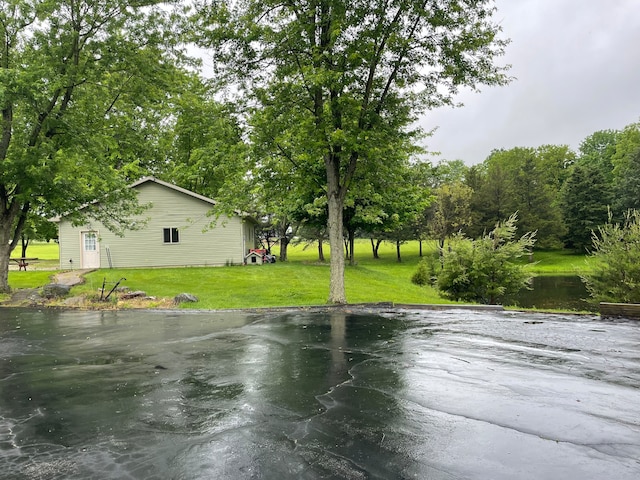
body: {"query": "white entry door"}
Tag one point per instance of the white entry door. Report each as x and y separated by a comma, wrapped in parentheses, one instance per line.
(90, 250)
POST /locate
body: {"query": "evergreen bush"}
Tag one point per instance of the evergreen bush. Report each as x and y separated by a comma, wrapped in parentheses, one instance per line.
(615, 276)
(422, 276)
(486, 270)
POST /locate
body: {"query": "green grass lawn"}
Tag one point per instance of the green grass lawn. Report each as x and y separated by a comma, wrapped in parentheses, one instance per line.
(40, 271)
(47, 254)
(558, 262)
(301, 281)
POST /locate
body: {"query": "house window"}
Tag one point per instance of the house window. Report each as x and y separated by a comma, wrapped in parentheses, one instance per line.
(170, 235)
(90, 241)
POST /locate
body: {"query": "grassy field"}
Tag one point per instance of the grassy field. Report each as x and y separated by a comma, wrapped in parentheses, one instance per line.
(558, 262)
(39, 271)
(300, 281)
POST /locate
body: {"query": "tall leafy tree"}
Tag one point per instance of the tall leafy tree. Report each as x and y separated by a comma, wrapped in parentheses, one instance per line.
(555, 162)
(535, 198)
(626, 170)
(597, 151)
(450, 212)
(585, 204)
(527, 181)
(491, 200)
(355, 73)
(77, 77)
(207, 151)
(401, 200)
(280, 168)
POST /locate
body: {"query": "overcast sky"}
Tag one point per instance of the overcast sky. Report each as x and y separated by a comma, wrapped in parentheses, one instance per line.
(577, 69)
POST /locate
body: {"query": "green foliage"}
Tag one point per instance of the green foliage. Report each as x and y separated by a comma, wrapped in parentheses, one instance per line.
(84, 99)
(486, 270)
(207, 153)
(616, 261)
(523, 180)
(422, 276)
(597, 150)
(584, 203)
(626, 171)
(343, 82)
(450, 211)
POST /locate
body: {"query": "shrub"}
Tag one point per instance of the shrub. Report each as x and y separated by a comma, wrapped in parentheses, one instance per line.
(422, 276)
(485, 270)
(615, 276)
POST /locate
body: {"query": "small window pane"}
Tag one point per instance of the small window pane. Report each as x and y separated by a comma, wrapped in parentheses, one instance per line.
(90, 242)
(170, 235)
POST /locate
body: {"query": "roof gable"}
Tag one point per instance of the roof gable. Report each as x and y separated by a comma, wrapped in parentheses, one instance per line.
(173, 187)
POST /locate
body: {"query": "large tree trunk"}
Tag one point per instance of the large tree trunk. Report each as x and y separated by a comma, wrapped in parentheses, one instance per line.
(284, 244)
(12, 220)
(5, 253)
(284, 240)
(337, 292)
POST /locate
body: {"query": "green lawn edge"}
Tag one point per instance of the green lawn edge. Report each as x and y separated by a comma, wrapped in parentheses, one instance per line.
(301, 281)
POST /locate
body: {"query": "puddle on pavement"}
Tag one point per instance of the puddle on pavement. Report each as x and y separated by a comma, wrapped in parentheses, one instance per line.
(300, 394)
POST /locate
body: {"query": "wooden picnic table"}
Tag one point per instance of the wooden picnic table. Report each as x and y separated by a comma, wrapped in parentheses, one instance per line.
(23, 262)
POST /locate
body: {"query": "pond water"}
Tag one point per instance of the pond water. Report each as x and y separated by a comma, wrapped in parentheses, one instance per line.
(555, 292)
(362, 394)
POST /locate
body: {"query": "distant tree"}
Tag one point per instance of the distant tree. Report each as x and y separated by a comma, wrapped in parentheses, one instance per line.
(449, 171)
(449, 212)
(402, 202)
(615, 259)
(597, 151)
(36, 228)
(423, 176)
(536, 199)
(523, 180)
(554, 162)
(585, 205)
(475, 179)
(491, 200)
(626, 170)
(486, 270)
(207, 153)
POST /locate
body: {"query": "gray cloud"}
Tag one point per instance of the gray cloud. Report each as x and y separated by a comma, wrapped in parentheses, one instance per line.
(577, 69)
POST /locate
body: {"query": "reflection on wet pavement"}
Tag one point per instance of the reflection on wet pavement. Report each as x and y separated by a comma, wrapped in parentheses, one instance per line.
(452, 394)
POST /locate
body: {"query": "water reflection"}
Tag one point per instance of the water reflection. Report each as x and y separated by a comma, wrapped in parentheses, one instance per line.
(334, 394)
(554, 292)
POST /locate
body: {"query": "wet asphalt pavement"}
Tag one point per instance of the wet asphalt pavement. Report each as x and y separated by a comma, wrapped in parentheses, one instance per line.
(451, 394)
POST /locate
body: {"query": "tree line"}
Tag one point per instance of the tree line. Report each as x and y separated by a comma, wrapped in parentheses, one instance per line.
(561, 194)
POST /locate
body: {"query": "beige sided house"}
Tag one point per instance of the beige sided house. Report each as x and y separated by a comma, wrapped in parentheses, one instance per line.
(177, 233)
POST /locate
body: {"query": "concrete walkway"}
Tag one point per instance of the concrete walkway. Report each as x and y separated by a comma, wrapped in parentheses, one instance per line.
(71, 278)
